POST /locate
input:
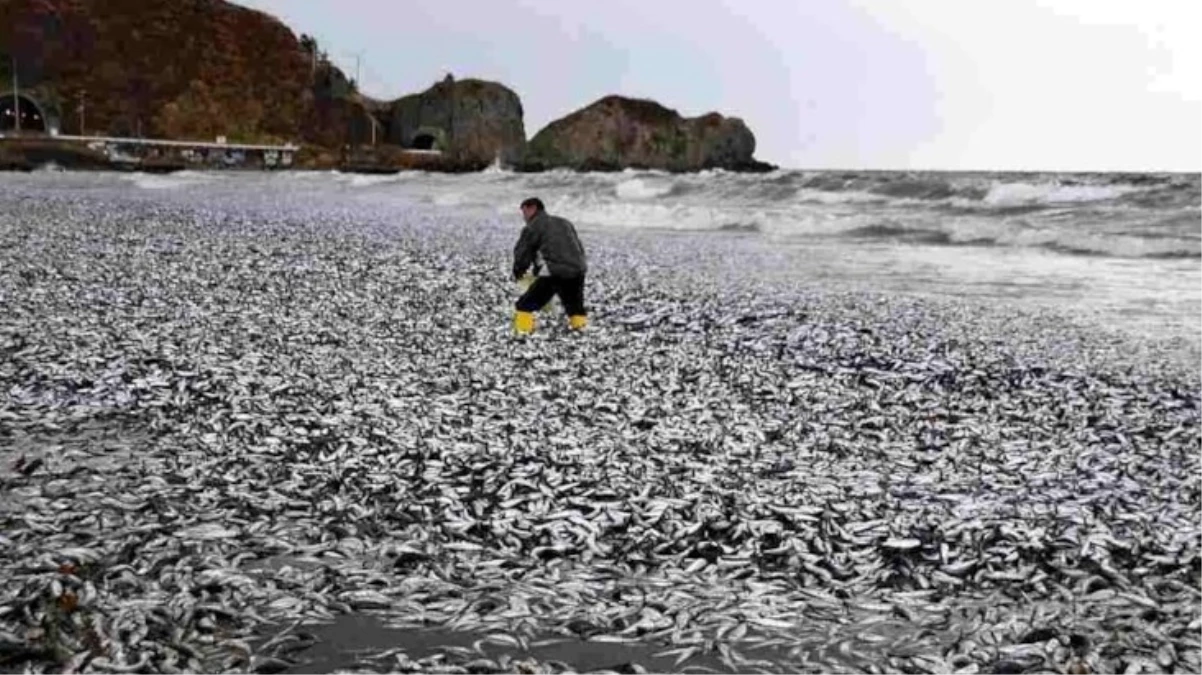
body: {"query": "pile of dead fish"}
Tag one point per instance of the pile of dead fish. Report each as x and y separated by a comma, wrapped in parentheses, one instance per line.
(225, 425)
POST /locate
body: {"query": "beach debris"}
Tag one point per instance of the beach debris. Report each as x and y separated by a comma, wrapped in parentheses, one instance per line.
(231, 420)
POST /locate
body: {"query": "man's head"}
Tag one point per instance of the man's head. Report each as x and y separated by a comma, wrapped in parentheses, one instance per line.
(532, 207)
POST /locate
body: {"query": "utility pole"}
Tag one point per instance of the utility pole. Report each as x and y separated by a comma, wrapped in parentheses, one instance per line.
(358, 57)
(82, 105)
(16, 97)
(358, 65)
(371, 119)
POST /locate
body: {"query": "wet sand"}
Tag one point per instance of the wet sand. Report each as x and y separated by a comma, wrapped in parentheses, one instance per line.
(362, 642)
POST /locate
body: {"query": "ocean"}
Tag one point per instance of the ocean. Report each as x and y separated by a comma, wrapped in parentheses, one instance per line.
(1121, 250)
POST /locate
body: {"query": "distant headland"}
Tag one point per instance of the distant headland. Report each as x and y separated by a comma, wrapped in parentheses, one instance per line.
(213, 80)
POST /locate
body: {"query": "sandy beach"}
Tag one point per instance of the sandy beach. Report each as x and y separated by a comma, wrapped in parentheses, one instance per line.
(235, 430)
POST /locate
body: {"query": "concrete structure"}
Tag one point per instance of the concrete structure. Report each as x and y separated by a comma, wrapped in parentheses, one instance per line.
(153, 152)
(35, 118)
(137, 150)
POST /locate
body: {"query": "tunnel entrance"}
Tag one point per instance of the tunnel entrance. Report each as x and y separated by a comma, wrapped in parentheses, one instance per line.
(32, 118)
(428, 137)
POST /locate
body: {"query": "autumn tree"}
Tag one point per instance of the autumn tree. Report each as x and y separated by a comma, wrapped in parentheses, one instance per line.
(194, 114)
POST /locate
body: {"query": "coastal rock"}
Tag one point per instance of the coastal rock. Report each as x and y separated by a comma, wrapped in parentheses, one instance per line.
(617, 132)
(472, 121)
(213, 69)
(337, 122)
(158, 67)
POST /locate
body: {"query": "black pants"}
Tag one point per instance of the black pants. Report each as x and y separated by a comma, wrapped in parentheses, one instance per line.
(569, 289)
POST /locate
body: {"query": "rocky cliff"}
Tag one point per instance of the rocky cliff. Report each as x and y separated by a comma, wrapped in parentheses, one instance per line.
(472, 121)
(166, 68)
(617, 132)
(198, 69)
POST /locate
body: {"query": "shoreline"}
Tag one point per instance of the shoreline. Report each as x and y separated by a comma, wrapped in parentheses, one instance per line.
(339, 423)
(124, 167)
(32, 153)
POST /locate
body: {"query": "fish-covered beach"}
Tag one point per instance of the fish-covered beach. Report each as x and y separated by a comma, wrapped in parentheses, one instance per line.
(819, 422)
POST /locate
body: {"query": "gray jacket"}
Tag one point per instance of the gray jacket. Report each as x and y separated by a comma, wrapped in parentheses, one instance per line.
(554, 239)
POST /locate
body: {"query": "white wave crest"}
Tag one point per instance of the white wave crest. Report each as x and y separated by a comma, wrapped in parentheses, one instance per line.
(151, 181)
(368, 179)
(639, 188)
(1018, 194)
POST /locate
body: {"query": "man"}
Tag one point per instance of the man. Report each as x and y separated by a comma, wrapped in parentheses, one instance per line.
(554, 240)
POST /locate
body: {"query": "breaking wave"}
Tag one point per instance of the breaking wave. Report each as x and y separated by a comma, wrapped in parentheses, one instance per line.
(1118, 215)
(1144, 245)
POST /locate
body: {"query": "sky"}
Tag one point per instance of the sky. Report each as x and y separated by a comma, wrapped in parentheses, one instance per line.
(1023, 85)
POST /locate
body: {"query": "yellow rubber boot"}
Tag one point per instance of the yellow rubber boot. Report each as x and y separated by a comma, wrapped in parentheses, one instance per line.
(523, 323)
(577, 322)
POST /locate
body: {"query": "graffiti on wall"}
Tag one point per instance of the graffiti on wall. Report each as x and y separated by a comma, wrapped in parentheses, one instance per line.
(133, 152)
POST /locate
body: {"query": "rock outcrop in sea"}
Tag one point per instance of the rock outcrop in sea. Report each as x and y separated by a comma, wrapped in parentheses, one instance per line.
(473, 121)
(617, 132)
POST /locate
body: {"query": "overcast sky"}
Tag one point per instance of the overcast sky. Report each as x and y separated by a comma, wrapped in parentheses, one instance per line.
(877, 84)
